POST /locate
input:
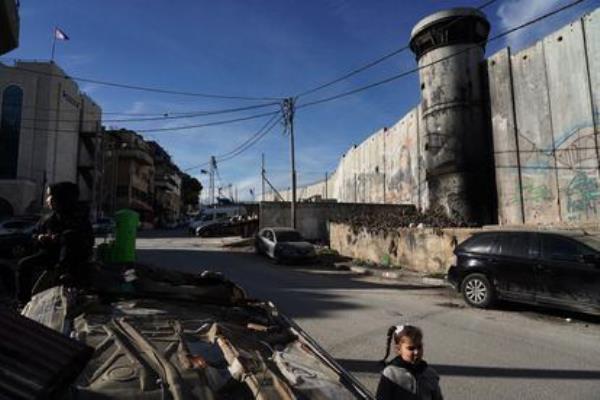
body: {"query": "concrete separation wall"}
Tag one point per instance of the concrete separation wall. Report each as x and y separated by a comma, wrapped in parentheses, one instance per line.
(313, 218)
(544, 104)
(545, 118)
(386, 168)
(418, 249)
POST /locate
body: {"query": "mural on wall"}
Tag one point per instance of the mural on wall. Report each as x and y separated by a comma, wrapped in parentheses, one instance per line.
(578, 154)
(583, 195)
(550, 87)
(402, 183)
(382, 169)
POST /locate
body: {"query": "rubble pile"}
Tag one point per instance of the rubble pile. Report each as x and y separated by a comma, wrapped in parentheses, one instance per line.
(404, 218)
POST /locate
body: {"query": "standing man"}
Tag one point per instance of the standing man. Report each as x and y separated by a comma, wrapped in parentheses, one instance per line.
(65, 241)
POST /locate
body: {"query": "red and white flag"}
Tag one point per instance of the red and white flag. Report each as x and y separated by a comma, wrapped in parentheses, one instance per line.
(60, 35)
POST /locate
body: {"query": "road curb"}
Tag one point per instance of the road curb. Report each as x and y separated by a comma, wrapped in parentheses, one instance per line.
(401, 276)
(435, 282)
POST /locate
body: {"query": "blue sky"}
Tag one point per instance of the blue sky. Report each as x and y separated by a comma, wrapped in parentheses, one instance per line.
(268, 48)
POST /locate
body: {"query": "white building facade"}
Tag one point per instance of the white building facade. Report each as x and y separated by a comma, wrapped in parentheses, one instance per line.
(49, 132)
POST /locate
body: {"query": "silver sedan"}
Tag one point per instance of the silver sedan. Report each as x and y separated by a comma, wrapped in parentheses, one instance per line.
(283, 244)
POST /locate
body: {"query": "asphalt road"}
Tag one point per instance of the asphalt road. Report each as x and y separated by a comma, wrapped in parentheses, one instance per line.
(515, 352)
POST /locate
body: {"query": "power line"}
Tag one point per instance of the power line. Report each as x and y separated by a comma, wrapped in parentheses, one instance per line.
(256, 140)
(175, 128)
(223, 122)
(134, 114)
(258, 133)
(135, 87)
(380, 59)
(242, 147)
(411, 71)
(165, 116)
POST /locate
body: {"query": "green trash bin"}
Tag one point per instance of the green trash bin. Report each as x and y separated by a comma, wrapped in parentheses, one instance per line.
(123, 248)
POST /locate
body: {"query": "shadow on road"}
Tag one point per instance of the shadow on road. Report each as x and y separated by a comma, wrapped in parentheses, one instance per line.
(375, 367)
(543, 312)
(296, 293)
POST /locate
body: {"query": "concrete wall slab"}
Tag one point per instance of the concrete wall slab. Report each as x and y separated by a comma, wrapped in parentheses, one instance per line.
(508, 186)
(534, 135)
(574, 139)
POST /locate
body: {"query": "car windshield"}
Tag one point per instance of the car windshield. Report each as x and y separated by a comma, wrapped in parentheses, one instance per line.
(290, 236)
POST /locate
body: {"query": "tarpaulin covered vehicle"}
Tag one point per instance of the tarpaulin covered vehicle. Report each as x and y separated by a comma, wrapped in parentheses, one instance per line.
(163, 335)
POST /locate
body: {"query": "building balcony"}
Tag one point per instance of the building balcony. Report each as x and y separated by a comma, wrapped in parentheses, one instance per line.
(136, 154)
(9, 25)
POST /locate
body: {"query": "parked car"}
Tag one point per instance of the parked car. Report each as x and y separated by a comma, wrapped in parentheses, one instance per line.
(162, 334)
(214, 228)
(557, 269)
(16, 237)
(283, 244)
(212, 215)
(18, 225)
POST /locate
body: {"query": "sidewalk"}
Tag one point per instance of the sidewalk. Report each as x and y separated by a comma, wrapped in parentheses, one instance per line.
(349, 267)
(393, 274)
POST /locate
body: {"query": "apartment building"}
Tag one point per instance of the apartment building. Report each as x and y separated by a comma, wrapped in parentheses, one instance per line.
(128, 174)
(167, 187)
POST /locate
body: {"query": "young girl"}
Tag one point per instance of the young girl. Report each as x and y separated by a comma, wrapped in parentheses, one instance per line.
(408, 376)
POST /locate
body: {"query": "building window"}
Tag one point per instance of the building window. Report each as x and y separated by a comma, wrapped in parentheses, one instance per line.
(10, 129)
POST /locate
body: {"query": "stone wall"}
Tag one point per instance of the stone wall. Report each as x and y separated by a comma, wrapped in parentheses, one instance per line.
(426, 250)
(313, 218)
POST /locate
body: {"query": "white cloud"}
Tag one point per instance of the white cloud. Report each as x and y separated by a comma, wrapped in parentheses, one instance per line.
(89, 88)
(136, 107)
(512, 13)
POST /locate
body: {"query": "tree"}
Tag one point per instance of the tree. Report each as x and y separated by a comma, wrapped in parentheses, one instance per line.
(190, 190)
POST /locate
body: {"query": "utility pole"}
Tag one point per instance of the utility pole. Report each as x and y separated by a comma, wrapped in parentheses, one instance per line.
(262, 176)
(213, 166)
(289, 106)
(325, 184)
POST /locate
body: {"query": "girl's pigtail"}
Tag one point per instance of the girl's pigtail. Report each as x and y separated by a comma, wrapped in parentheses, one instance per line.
(390, 334)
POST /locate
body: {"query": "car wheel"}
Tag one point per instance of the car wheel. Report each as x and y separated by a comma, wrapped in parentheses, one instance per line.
(478, 291)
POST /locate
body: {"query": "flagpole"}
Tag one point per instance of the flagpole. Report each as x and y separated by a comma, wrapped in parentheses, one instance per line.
(53, 44)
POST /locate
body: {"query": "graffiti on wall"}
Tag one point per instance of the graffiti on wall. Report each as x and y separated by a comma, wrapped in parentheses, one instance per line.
(582, 195)
(534, 192)
(576, 158)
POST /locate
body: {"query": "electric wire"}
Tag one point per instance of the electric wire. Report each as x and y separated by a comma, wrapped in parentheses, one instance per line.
(164, 117)
(251, 141)
(223, 157)
(175, 128)
(136, 87)
(380, 59)
(258, 133)
(256, 140)
(411, 71)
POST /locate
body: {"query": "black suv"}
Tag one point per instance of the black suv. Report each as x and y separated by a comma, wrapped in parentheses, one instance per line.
(560, 269)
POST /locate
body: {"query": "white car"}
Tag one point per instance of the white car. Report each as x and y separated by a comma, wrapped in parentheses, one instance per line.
(284, 244)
